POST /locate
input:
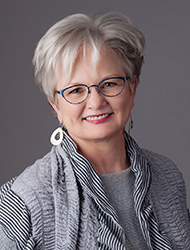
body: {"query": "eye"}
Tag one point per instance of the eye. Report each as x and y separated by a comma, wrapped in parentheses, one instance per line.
(76, 90)
(108, 84)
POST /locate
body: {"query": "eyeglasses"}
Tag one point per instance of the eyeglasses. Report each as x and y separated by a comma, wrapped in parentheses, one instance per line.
(78, 93)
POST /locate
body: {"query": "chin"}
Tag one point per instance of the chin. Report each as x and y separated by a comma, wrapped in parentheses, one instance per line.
(100, 135)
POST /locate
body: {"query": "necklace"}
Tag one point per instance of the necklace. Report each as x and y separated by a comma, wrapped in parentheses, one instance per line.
(129, 241)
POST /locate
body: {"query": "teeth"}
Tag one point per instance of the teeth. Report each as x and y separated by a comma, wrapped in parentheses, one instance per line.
(91, 118)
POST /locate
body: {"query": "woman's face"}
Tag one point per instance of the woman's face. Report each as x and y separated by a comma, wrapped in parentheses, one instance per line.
(99, 118)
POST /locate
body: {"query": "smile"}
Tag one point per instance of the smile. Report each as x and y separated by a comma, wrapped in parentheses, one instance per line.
(99, 117)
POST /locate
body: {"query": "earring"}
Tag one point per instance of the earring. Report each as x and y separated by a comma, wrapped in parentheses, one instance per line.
(131, 124)
(57, 135)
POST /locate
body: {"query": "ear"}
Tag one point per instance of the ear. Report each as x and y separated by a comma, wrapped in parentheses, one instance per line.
(133, 88)
(57, 110)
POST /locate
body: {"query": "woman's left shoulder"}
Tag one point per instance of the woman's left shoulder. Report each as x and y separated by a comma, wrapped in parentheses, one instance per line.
(162, 164)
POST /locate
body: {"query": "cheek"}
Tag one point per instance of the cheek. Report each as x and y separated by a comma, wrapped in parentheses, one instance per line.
(72, 113)
(125, 103)
(124, 107)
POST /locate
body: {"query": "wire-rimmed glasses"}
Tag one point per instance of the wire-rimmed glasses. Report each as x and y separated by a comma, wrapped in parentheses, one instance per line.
(78, 93)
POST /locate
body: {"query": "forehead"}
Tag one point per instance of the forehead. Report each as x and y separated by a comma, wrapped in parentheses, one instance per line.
(92, 64)
(97, 61)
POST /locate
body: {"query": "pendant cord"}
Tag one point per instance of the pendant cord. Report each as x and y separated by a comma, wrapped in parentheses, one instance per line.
(129, 241)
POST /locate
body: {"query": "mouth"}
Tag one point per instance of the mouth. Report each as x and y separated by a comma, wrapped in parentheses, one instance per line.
(98, 117)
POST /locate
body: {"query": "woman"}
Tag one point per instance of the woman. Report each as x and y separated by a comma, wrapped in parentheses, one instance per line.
(96, 189)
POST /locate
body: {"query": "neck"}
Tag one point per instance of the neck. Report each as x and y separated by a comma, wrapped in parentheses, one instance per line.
(107, 156)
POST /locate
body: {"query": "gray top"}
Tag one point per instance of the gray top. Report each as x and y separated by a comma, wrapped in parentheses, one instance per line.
(119, 190)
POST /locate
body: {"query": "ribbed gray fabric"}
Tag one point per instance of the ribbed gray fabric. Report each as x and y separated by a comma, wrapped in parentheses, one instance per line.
(63, 199)
(5, 242)
(119, 190)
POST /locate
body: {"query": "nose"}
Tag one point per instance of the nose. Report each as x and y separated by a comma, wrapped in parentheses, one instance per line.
(95, 99)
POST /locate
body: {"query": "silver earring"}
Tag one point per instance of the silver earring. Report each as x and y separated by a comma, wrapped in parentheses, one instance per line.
(57, 136)
(131, 124)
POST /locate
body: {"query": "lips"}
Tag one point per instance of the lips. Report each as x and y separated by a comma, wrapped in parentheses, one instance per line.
(98, 117)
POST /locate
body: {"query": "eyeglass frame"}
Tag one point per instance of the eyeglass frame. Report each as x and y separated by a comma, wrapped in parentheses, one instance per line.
(124, 78)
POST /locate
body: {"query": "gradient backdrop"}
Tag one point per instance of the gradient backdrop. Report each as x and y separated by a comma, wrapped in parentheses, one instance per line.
(161, 114)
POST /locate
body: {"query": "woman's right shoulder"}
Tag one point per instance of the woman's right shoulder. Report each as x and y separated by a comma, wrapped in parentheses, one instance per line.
(26, 187)
(36, 175)
(23, 199)
(33, 180)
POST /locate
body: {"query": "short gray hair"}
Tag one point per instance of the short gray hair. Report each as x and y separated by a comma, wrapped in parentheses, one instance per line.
(63, 42)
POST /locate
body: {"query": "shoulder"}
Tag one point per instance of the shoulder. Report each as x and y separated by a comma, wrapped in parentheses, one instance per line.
(35, 176)
(34, 185)
(166, 180)
(167, 194)
(28, 199)
(31, 179)
(160, 164)
(156, 158)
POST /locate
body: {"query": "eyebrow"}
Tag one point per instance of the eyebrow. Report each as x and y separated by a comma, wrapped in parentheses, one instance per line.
(76, 83)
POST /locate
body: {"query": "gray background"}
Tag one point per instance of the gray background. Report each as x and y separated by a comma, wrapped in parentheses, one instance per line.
(161, 113)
